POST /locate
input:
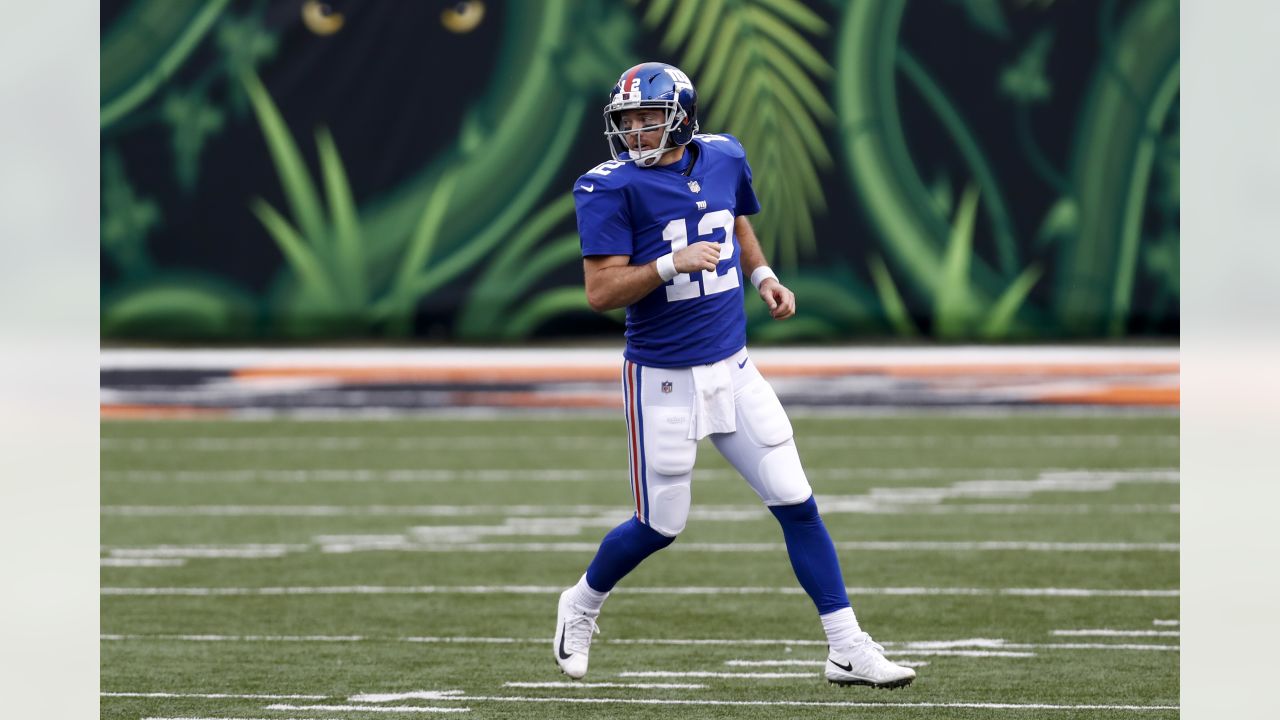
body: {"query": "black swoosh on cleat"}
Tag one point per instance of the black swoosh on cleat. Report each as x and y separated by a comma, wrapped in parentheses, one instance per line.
(847, 668)
(565, 656)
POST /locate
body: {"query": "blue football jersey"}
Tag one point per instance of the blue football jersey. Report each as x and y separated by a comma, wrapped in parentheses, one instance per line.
(695, 318)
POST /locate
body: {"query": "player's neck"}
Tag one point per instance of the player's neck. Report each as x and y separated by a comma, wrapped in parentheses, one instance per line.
(671, 157)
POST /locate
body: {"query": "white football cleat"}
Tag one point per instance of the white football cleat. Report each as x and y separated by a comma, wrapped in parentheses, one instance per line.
(572, 643)
(863, 663)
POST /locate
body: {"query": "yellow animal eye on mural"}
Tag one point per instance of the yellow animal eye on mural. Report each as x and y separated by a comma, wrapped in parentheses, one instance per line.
(320, 18)
(463, 16)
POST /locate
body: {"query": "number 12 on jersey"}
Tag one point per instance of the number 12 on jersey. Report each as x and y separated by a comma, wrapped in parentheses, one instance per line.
(682, 286)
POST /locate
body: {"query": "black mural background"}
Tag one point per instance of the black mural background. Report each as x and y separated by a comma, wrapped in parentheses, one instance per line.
(950, 169)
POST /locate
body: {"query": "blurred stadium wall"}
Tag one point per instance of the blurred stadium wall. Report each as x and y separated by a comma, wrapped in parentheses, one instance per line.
(961, 170)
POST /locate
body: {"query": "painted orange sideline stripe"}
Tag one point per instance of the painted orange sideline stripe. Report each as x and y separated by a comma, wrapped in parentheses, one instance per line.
(144, 412)
(508, 374)
(1118, 395)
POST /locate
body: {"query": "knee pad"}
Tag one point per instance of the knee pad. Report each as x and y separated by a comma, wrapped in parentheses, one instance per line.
(782, 479)
(669, 507)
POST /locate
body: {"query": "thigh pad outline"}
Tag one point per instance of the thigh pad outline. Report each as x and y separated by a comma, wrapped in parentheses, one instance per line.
(762, 415)
(668, 449)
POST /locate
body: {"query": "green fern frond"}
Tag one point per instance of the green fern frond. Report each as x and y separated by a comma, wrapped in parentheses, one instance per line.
(759, 75)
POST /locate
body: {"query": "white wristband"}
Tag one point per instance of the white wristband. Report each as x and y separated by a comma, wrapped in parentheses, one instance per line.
(667, 267)
(761, 274)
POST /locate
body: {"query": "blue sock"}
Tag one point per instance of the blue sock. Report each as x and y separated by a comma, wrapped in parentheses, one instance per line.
(813, 555)
(621, 551)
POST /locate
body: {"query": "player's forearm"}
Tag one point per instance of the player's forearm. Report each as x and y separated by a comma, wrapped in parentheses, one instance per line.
(752, 254)
(621, 285)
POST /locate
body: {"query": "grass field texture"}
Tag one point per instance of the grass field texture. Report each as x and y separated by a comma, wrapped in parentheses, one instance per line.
(1026, 564)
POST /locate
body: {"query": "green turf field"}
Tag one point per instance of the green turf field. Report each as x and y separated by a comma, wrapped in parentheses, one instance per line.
(1026, 564)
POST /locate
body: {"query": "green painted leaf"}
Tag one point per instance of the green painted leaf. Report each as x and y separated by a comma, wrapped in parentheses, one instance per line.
(1026, 81)
(953, 310)
(135, 64)
(894, 309)
(543, 307)
(1000, 317)
(308, 268)
(295, 180)
(987, 16)
(344, 221)
(178, 308)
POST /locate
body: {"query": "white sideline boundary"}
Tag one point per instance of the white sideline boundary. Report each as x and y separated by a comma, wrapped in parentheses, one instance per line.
(679, 590)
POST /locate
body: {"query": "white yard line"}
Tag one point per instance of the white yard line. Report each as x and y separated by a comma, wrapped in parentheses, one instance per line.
(158, 555)
(919, 647)
(432, 475)
(373, 708)
(210, 696)
(1107, 632)
(828, 505)
(820, 663)
(675, 590)
(709, 674)
(510, 443)
(248, 550)
(136, 562)
(732, 703)
(590, 685)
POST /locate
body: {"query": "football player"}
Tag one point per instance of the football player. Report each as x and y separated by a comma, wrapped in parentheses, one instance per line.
(664, 233)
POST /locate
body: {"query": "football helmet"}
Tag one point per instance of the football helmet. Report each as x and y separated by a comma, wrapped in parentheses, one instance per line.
(651, 85)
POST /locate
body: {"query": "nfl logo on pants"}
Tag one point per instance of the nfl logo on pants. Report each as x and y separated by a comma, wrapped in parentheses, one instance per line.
(666, 386)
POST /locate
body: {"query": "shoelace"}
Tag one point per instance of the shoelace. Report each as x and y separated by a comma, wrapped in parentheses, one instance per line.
(578, 630)
(865, 638)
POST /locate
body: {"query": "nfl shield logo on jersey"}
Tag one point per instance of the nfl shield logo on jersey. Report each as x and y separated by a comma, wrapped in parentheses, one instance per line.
(666, 386)
(694, 186)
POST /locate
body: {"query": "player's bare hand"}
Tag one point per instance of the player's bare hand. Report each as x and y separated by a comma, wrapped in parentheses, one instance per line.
(781, 301)
(698, 256)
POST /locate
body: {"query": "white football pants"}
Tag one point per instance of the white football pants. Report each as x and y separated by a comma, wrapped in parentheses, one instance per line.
(661, 407)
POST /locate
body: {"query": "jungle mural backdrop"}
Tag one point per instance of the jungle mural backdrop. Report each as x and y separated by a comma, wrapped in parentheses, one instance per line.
(389, 170)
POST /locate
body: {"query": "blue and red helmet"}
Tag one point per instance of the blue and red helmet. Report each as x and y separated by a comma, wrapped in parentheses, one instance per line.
(652, 85)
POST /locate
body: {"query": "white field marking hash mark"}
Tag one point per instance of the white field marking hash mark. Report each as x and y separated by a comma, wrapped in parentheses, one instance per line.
(1107, 632)
(1164, 622)
(413, 695)
(733, 703)
(549, 589)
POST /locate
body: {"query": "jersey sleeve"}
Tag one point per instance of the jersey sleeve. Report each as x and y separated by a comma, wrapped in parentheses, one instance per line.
(604, 219)
(747, 203)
